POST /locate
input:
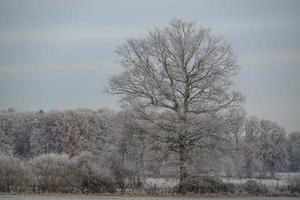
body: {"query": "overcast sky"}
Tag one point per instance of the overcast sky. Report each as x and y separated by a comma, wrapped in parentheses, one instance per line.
(60, 54)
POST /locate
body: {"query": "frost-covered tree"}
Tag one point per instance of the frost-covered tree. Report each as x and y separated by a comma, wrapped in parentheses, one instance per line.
(102, 128)
(130, 155)
(272, 146)
(51, 171)
(75, 126)
(294, 151)
(234, 127)
(72, 131)
(183, 70)
(265, 147)
(90, 176)
(24, 124)
(14, 175)
(250, 151)
(207, 156)
(6, 133)
(15, 129)
(48, 133)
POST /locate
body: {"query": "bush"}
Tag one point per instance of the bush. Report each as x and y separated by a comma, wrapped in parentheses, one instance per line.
(252, 187)
(52, 172)
(209, 184)
(294, 185)
(55, 173)
(14, 174)
(59, 173)
(93, 178)
(229, 188)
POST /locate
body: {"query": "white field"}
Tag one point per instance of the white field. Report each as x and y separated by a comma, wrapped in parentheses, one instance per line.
(282, 180)
(266, 182)
(94, 197)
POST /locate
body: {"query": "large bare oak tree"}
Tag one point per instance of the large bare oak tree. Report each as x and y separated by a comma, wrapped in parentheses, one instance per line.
(183, 70)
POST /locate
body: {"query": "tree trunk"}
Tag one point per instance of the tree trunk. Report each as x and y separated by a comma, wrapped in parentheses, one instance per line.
(183, 169)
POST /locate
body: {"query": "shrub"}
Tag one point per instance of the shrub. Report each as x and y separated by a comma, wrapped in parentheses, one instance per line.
(209, 184)
(251, 186)
(93, 178)
(14, 174)
(52, 172)
(59, 173)
(294, 184)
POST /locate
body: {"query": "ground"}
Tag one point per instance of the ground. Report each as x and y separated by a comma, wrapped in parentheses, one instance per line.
(95, 197)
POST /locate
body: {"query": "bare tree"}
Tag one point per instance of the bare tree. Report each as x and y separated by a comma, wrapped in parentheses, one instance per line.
(265, 147)
(294, 151)
(272, 147)
(252, 129)
(235, 128)
(181, 69)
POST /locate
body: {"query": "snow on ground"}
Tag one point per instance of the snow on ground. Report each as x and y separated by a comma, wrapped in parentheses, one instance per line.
(162, 183)
(95, 197)
(281, 180)
(266, 182)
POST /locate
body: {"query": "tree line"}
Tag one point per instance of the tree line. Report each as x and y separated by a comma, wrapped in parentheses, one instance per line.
(96, 151)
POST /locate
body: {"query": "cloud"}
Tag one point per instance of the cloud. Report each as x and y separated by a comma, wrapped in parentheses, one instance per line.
(270, 59)
(80, 35)
(108, 68)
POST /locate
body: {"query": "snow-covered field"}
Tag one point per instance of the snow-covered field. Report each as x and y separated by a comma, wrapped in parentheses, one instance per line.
(266, 182)
(162, 183)
(92, 197)
(282, 179)
(165, 183)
